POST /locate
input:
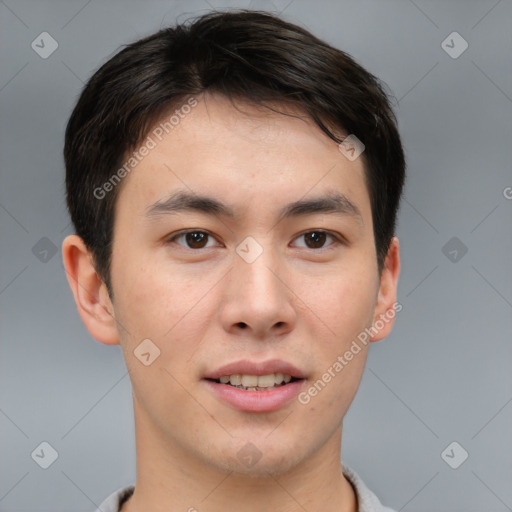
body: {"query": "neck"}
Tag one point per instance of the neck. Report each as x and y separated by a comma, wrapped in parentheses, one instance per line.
(171, 480)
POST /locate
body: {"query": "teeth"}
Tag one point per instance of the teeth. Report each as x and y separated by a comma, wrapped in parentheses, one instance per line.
(256, 381)
(236, 380)
(266, 381)
(249, 381)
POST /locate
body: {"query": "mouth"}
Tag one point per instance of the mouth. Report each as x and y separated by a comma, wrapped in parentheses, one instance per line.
(256, 382)
(256, 386)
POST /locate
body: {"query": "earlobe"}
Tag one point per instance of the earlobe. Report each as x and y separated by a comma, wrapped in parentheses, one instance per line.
(387, 305)
(90, 293)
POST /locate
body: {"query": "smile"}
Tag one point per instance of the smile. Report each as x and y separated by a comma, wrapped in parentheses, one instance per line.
(256, 382)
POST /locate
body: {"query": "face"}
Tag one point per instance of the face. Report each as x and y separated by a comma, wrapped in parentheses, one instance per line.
(275, 274)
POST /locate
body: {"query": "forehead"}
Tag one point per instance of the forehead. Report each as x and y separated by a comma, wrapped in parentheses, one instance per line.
(242, 153)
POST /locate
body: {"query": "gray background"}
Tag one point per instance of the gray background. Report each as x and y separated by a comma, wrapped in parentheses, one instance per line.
(444, 373)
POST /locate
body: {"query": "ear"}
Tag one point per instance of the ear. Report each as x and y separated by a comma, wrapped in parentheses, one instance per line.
(90, 292)
(386, 306)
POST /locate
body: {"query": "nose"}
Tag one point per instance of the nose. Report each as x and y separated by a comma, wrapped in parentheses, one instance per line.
(257, 299)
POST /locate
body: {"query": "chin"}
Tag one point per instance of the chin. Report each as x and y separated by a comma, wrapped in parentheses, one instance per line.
(249, 461)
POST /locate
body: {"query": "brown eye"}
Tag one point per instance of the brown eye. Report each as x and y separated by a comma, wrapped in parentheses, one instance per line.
(193, 239)
(316, 239)
(196, 239)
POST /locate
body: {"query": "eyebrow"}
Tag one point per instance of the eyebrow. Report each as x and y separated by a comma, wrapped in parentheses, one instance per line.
(333, 203)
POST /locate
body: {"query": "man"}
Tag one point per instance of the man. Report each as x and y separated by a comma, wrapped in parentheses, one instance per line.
(234, 186)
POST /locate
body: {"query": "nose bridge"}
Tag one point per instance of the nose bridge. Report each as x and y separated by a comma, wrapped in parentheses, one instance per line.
(257, 297)
(254, 267)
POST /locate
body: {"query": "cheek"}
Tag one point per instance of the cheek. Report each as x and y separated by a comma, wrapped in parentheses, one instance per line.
(168, 308)
(342, 308)
(148, 297)
(343, 304)
(161, 307)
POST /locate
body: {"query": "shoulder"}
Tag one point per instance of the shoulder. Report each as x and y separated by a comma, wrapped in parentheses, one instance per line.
(116, 499)
(367, 501)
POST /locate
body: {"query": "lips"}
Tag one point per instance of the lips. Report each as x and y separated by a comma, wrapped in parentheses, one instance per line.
(256, 398)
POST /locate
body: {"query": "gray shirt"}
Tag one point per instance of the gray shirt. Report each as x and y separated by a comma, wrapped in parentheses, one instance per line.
(368, 502)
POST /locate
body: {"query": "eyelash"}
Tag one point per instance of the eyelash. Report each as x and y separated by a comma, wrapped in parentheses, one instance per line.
(337, 238)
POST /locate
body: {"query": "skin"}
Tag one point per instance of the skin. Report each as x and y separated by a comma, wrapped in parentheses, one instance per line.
(301, 301)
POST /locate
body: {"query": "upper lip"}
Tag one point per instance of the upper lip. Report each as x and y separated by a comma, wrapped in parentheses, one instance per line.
(246, 367)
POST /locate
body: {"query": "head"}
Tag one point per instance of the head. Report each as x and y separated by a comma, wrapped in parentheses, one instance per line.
(230, 128)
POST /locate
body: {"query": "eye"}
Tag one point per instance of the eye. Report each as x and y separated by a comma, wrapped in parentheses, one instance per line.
(194, 239)
(315, 239)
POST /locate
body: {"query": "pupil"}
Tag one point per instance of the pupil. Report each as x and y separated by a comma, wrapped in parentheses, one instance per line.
(318, 238)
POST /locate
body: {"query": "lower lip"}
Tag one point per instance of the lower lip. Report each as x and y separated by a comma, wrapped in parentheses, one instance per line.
(256, 401)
